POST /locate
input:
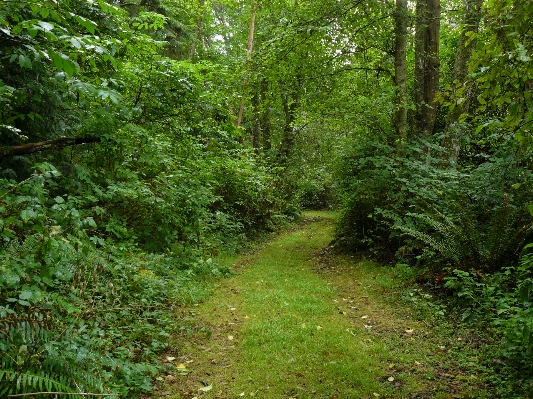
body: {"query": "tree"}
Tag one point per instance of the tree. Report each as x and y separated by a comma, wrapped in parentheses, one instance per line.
(427, 65)
(401, 18)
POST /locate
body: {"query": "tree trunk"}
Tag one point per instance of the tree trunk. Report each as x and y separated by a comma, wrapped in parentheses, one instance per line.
(265, 116)
(290, 106)
(400, 68)
(197, 33)
(465, 46)
(256, 127)
(248, 57)
(427, 65)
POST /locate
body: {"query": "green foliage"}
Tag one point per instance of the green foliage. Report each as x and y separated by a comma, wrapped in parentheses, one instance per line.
(74, 317)
(502, 302)
(476, 218)
(98, 250)
(502, 66)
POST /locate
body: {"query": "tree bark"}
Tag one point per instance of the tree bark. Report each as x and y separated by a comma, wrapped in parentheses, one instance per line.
(265, 116)
(197, 34)
(465, 46)
(256, 127)
(427, 65)
(248, 58)
(400, 68)
(30, 148)
(290, 107)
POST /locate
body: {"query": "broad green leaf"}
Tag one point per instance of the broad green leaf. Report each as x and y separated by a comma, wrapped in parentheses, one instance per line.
(25, 295)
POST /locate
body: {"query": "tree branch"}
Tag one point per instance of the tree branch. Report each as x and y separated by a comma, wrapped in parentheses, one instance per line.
(30, 148)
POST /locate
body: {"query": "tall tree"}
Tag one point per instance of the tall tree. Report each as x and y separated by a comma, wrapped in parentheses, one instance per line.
(401, 18)
(248, 57)
(427, 65)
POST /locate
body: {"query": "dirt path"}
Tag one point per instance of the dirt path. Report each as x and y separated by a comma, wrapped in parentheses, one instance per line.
(299, 322)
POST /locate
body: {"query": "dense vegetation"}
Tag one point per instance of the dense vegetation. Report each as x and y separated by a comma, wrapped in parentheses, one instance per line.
(140, 139)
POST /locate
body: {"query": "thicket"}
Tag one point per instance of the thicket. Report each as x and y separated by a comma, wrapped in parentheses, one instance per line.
(122, 176)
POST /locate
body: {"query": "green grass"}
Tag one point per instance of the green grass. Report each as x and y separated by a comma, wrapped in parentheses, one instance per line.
(295, 322)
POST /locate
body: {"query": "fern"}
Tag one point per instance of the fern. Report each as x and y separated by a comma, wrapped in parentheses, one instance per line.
(35, 357)
(462, 239)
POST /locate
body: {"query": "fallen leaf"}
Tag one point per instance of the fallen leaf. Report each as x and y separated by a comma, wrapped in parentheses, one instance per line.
(181, 366)
(205, 389)
(409, 331)
(318, 328)
(159, 378)
(171, 358)
(391, 366)
(230, 337)
(390, 379)
(233, 309)
(376, 395)
(241, 394)
(364, 317)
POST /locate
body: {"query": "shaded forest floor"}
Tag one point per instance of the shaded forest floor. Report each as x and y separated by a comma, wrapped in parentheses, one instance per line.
(299, 321)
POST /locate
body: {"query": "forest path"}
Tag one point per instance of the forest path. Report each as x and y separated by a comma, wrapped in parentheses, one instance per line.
(297, 321)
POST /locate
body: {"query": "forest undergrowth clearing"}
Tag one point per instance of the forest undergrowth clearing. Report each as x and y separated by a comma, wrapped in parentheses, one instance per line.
(299, 321)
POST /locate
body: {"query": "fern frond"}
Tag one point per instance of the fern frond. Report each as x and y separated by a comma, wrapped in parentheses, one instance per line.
(13, 382)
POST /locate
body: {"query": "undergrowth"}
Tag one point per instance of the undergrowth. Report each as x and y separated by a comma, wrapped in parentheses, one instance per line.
(80, 313)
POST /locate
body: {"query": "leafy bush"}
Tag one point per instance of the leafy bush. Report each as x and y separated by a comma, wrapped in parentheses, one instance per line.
(368, 183)
(75, 318)
(409, 204)
(502, 300)
(251, 194)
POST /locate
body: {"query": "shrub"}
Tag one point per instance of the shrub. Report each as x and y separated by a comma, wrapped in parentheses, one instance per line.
(410, 205)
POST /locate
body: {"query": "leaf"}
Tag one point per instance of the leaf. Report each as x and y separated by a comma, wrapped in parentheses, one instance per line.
(409, 331)
(32, 31)
(390, 379)
(206, 389)
(170, 358)
(47, 27)
(25, 295)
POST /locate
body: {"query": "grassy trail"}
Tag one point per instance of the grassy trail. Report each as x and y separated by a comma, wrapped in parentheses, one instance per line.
(298, 322)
